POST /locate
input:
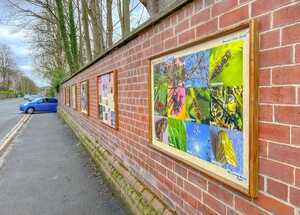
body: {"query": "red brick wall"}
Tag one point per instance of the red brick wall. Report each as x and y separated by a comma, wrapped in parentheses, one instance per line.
(185, 188)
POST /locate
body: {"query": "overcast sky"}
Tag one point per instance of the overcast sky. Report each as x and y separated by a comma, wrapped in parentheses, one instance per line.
(18, 40)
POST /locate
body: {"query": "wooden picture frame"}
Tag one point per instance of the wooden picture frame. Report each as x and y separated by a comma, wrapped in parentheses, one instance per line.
(68, 96)
(74, 96)
(175, 120)
(114, 118)
(84, 95)
(65, 95)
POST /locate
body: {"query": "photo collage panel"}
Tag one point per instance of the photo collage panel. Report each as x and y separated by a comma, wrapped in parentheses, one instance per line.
(84, 97)
(198, 105)
(106, 95)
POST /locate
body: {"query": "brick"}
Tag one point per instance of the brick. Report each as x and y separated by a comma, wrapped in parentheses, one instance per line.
(291, 34)
(284, 153)
(203, 209)
(295, 196)
(223, 6)
(297, 54)
(246, 207)
(181, 170)
(220, 193)
(295, 136)
(200, 17)
(167, 162)
(188, 209)
(287, 15)
(263, 148)
(207, 28)
(263, 6)
(264, 77)
(193, 190)
(277, 189)
(232, 212)
(182, 26)
(288, 114)
(214, 204)
(270, 39)
(277, 56)
(264, 22)
(261, 182)
(266, 113)
(234, 16)
(186, 36)
(297, 177)
(170, 43)
(175, 198)
(189, 199)
(286, 75)
(276, 170)
(277, 95)
(273, 205)
(197, 180)
(278, 133)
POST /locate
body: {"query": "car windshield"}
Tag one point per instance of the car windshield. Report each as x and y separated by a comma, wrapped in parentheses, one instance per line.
(36, 99)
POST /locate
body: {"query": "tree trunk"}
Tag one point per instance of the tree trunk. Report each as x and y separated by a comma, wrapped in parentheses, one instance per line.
(124, 16)
(73, 37)
(109, 24)
(85, 22)
(96, 18)
(63, 33)
(80, 33)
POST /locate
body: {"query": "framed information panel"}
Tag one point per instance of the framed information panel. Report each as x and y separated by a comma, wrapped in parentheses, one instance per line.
(84, 97)
(73, 96)
(107, 98)
(203, 106)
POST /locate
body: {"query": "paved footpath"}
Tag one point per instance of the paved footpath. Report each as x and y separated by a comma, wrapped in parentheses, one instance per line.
(47, 173)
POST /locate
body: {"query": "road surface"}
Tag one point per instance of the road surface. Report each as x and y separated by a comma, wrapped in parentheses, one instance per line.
(47, 172)
(9, 115)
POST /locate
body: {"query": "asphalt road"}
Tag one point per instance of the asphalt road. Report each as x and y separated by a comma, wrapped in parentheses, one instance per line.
(47, 172)
(9, 115)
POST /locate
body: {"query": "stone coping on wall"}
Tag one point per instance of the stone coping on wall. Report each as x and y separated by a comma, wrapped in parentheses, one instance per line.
(152, 21)
(137, 196)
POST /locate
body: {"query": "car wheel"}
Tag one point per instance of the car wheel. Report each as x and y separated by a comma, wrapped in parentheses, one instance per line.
(30, 111)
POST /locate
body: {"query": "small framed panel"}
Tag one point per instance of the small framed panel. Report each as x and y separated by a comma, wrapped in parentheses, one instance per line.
(68, 95)
(84, 97)
(73, 97)
(107, 99)
(203, 106)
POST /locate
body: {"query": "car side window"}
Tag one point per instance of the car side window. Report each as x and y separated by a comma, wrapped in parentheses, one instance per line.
(52, 100)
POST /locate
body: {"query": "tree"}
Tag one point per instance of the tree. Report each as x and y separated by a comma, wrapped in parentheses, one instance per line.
(95, 13)
(86, 30)
(124, 16)
(109, 23)
(63, 33)
(73, 37)
(7, 64)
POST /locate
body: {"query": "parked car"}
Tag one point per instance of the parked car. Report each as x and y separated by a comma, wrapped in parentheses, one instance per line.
(31, 97)
(45, 104)
(26, 97)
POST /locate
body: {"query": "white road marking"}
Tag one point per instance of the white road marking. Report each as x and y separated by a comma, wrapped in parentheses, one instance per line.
(12, 133)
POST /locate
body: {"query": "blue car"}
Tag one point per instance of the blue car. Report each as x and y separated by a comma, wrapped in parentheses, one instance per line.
(44, 104)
